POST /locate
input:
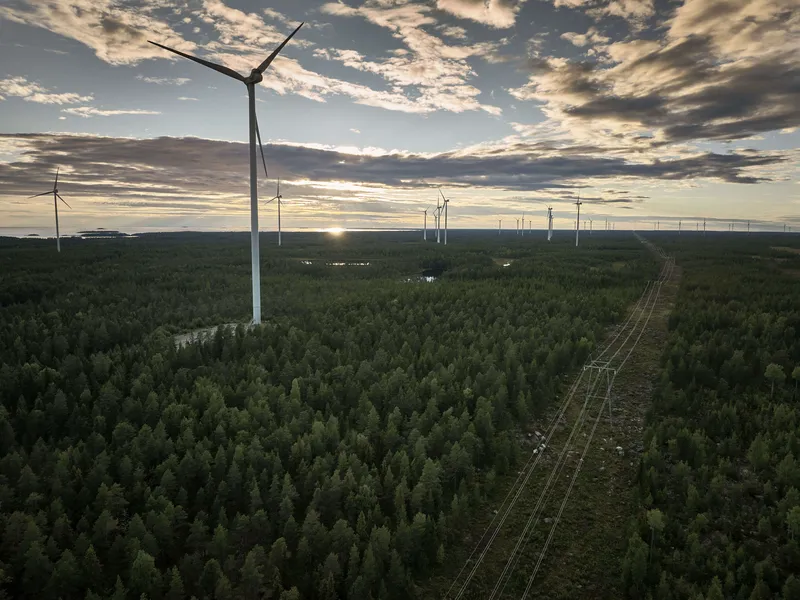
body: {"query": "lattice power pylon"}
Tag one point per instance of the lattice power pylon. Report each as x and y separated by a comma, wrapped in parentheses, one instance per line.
(600, 383)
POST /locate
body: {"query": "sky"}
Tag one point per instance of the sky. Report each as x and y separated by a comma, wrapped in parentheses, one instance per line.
(646, 110)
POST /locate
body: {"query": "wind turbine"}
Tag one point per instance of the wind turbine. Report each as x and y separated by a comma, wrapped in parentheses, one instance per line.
(591, 223)
(549, 223)
(438, 218)
(446, 202)
(56, 198)
(748, 226)
(425, 227)
(578, 222)
(679, 226)
(704, 226)
(523, 225)
(279, 198)
(499, 226)
(256, 76)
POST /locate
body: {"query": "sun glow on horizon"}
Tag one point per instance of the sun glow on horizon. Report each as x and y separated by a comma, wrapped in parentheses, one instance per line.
(336, 231)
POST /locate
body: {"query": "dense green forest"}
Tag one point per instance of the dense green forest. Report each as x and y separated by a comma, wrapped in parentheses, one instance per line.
(330, 452)
(720, 475)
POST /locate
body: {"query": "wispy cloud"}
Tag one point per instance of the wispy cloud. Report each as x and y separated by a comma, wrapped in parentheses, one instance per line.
(90, 111)
(438, 73)
(20, 87)
(187, 98)
(355, 131)
(117, 32)
(495, 13)
(164, 80)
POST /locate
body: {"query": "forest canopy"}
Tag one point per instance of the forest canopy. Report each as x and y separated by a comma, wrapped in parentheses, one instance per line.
(329, 453)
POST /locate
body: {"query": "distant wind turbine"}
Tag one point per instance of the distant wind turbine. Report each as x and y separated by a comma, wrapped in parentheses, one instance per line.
(425, 226)
(56, 198)
(279, 198)
(517, 226)
(256, 76)
(499, 226)
(549, 223)
(578, 222)
(522, 231)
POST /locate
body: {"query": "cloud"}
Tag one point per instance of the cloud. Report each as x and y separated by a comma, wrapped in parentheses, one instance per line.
(90, 111)
(495, 13)
(719, 72)
(355, 131)
(164, 80)
(431, 71)
(20, 87)
(592, 36)
(187, 98)
(116, 31)
(177, 169)
(452, 31)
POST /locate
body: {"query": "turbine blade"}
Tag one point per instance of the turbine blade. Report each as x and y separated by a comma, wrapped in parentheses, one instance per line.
(260, 147)
(443, 198)
(271, 201)
(279, 187)
(268, 61)
(219, 68)
(42, 194)
(64, 201)
(55, 185)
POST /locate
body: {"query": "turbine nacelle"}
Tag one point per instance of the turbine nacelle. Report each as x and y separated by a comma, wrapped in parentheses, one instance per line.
(254, 77)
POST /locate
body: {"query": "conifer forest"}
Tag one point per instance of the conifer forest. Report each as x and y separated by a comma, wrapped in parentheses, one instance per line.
(352, 445)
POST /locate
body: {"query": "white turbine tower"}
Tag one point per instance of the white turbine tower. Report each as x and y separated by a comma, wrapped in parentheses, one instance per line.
(56, 198)
(446, 202)
(523, 225)
(517, 232)
(279, 198)
(679, 226)
(578, 222)
(256, 76)
(549, 223)
(499, 226)
(438, 214)
(425, 226)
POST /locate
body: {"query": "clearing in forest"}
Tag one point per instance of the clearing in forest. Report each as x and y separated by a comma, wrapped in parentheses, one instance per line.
(538, 543)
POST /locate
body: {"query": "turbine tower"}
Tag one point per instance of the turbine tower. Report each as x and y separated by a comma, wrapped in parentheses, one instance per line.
(522, 231)
(679, 226)
(425, 227)
(549, 223)
(256, 76)
(438, 214)
(499, 226)
(578, 222)
(56, 198)
(446, 202)
(279, 198)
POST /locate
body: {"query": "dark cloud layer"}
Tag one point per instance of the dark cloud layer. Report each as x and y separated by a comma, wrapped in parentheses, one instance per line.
(160, 171)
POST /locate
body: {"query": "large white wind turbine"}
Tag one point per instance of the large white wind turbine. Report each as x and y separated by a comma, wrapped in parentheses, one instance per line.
(446, 202)
(425, 226)
(56, 198)
(549, 223)
(279, 198)
(256, 76)
(438, 214)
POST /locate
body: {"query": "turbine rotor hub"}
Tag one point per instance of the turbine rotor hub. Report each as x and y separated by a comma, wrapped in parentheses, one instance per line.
(255, 77)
